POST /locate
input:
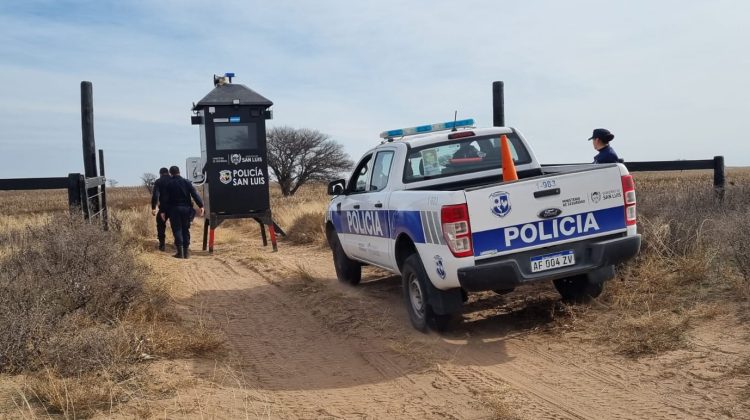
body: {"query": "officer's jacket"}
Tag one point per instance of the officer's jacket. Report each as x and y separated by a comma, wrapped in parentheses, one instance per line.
(180, 190)
(606, 155)
(159, 192)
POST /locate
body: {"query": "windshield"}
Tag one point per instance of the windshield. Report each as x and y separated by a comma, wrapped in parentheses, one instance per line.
(461, 156)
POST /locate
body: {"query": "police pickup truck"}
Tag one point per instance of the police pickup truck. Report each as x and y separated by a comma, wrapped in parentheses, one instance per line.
(429, 203)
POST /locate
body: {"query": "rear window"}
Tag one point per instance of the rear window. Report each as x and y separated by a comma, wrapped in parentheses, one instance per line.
(461, 156)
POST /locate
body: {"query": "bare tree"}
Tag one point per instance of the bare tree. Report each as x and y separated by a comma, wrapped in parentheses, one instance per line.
(148, 181)
(112, 182)
(300, 155)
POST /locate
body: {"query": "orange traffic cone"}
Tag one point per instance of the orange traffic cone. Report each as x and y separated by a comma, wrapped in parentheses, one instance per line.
(509, 167)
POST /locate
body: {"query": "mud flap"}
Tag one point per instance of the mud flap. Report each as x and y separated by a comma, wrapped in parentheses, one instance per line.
(600, 275)
(444, 302)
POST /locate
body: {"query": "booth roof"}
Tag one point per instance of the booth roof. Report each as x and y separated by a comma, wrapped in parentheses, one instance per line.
(226, 94)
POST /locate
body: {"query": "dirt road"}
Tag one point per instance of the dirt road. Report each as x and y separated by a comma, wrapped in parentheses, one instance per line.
(302, 345)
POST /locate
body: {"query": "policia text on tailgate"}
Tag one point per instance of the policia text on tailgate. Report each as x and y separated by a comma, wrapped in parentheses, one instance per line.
(429, 203)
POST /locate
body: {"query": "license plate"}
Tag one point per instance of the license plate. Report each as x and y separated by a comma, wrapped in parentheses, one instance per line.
(552, 261)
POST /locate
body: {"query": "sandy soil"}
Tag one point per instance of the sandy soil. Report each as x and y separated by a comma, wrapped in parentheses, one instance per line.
(301, 345)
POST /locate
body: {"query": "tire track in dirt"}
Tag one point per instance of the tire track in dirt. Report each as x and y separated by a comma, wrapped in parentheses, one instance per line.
(288, 348)
(281, 349)
(562, 390)
(569, 382)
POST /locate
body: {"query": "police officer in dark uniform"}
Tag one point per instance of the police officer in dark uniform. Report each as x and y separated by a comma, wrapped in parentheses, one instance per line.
(159, 196)
(601, 138)
(180, 191)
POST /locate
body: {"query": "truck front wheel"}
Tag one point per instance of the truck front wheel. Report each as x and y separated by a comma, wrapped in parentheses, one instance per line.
(347, 270)
(579, 288)
(420, 312)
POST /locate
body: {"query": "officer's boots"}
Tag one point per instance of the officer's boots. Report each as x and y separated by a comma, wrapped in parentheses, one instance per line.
(180, 252)
(185, 253)
(162, 246)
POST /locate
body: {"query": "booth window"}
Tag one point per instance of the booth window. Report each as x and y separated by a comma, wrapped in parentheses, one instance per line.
(236, 137)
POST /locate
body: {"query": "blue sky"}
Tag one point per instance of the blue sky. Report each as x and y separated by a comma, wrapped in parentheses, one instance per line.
(669, 78)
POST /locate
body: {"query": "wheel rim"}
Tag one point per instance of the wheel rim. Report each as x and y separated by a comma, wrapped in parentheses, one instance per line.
(415, 296)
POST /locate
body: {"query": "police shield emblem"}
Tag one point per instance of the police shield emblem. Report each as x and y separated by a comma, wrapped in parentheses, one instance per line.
(235, 158)
(225, 176)
(500, 203)
(439, 268)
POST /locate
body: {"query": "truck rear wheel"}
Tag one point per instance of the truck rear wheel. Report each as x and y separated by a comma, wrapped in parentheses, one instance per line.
(420, 312)
(578, 289)
(347, 270)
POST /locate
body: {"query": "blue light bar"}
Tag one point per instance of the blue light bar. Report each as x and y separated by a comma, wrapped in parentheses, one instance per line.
(429, 128)
(228, 74)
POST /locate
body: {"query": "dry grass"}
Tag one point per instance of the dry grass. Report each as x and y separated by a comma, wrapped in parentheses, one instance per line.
(307, 228)
(691, 263)
(79, 309)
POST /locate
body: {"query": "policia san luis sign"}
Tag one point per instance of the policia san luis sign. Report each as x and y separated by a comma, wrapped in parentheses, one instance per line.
(232, 120)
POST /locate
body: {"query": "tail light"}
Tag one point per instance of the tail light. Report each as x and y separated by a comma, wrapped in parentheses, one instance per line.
(456, 230)
(628, 194)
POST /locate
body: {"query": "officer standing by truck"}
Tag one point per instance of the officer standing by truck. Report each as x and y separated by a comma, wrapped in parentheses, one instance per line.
(601, 138)
(181, 194)
(159, 196)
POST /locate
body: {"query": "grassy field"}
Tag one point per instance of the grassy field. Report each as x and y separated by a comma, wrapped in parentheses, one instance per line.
(87, 311)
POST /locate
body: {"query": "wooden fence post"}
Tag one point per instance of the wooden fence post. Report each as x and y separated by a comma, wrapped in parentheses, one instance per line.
(719, 177)
(74, 193)
(84, 197)
(103, 196)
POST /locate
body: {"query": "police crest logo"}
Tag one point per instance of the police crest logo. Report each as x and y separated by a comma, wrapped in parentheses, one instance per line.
(596, 197)
(225, 176)
(439, 266)
(235, 158)
(500, 203)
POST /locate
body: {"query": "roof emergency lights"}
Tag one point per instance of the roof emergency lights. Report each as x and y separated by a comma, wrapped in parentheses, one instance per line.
(421, 129)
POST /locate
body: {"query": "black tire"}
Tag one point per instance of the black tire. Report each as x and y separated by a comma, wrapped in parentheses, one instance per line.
(347, 270)
(578, 289)
(421, 315)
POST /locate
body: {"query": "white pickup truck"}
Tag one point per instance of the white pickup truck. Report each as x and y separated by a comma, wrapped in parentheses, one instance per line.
(429, 203)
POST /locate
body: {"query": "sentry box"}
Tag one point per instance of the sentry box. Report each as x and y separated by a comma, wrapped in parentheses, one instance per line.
(233, 166)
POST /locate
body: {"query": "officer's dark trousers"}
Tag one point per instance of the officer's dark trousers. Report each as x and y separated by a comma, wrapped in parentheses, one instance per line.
(179, 217)
(161, 228)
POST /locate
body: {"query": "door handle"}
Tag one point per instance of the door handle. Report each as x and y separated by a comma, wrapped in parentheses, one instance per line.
(546, 193)
(356, 206)
(379, 204)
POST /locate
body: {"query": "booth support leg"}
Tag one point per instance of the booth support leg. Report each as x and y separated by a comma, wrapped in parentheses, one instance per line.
(211, 239)
(272, 232)
(263, 233)
(206, 224)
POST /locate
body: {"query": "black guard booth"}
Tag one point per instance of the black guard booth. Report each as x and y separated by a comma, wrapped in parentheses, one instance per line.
(232, 120)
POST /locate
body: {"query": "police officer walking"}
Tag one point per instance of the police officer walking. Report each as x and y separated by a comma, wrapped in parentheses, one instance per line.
(159, 196)
(180, 191)
(601, 138)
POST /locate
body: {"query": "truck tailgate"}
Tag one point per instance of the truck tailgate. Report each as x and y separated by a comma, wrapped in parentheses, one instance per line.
(544, 211)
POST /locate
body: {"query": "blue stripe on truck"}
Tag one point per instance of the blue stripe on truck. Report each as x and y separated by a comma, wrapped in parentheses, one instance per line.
(540, 232)
(381, 223)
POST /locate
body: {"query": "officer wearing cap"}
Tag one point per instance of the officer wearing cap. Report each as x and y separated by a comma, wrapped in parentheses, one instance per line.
(181, 194)
(159, 196)
(601, 138)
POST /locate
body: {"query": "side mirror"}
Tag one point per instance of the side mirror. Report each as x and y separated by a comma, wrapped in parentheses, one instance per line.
(336, 187)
